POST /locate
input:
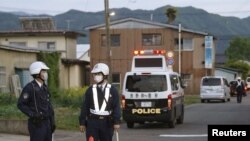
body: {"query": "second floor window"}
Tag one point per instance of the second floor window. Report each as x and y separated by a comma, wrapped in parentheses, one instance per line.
(186, 44)
(151, 39)
(47, 45)
(114, 40)
(18, 44)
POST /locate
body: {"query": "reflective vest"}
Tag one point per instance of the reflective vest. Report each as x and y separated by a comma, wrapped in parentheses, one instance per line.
(97, 109)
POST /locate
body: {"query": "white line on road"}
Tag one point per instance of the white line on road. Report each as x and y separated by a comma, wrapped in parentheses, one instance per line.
(195, 135)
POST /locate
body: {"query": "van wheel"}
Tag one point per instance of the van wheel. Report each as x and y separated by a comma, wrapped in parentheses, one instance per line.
(181, 118)
(130, 124)
(172, 123)
(202, 100)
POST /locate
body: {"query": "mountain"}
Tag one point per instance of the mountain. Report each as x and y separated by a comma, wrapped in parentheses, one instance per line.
(224, 28)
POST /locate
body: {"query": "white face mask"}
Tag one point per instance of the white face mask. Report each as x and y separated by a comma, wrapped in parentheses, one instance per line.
(45, 76)
(98, 78)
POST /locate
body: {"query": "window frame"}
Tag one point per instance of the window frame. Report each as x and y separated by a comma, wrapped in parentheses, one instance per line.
(184, 44)
(112, 40)
(18, 44)
(153, 40)
(47, 47)
(3, 76)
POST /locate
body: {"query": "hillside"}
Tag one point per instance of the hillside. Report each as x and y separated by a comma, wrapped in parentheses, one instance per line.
(224, 28)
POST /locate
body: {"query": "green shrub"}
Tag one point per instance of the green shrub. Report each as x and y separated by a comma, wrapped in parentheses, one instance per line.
(70, 98)
(8, 107)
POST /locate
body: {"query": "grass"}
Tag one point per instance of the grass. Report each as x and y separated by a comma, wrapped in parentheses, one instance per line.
(66, 116)
(191, 99)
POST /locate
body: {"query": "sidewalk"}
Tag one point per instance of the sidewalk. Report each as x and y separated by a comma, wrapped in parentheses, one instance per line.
(60, 135)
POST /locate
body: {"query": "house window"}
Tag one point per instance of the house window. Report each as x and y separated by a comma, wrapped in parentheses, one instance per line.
(2, 78)
(18, 44)
(114, 40)
(151, 39)
(186, 78)
(47, 45)
(24, 76)
(116, 80)
(186, 44)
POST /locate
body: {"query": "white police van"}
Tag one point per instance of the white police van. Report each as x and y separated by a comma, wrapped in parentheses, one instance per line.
(151, 91)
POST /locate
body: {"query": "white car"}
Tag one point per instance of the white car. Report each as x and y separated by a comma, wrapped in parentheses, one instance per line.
(214, 88)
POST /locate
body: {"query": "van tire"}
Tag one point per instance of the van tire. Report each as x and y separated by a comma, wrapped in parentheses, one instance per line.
(202, 100)
(172, 122)
(181, 117)
(130, 124)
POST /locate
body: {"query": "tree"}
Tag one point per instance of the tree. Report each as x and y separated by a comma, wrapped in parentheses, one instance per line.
(237, 53)
(239, 49)
(240, 65)
(171, 14)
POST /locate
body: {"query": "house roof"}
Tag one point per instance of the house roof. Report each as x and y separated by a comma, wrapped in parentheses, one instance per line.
(142, 22)
(72, 34)
(24, 49)
(20, 49)
(74, 61)
(230, 70)
(82, 49)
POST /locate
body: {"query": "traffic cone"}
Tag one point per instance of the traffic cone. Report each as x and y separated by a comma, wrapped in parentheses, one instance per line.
(91, 138)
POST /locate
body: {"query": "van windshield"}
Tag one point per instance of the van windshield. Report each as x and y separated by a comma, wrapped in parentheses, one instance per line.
(211, 82)
(146, 83)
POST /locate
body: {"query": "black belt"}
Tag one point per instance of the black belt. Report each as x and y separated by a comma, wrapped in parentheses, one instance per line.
(99, 117)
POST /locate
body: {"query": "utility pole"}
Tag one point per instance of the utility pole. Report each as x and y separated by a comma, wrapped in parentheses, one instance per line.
(179, 31)
(109, 53)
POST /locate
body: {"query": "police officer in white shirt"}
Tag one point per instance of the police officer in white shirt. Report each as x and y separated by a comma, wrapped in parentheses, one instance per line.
(100, 113)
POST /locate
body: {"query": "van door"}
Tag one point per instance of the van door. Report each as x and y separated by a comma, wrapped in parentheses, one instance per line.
(226, 88)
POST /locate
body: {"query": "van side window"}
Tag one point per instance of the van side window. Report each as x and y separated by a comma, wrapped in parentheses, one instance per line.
(174, 82)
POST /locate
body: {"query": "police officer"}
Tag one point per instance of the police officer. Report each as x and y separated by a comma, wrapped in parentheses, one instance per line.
(34, 102)
(100, 112)
(239, 89)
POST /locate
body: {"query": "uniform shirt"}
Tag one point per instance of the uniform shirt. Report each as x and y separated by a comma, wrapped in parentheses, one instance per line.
(35, 99)
(113, 104)
(240, 86)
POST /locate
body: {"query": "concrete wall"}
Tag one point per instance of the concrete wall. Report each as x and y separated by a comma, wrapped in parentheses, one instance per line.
(14, 126)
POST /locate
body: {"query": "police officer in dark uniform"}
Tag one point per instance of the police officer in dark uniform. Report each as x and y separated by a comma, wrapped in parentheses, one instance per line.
(239, 89)
(100, 112)
(34, 102)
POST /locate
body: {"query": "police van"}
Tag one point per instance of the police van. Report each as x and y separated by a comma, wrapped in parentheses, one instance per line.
(151, 91)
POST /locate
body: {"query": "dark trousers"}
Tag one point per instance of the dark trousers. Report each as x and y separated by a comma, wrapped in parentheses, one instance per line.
(239, 97)
(39, 131)
(99, 129)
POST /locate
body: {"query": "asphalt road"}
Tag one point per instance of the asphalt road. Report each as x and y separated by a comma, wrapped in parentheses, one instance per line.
(197, 118)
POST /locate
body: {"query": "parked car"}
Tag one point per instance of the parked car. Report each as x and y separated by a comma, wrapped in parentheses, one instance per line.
(233, 85)
(214, 88)
(248, 83)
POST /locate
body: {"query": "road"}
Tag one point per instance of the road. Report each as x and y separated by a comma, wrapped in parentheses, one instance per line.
(194, 128)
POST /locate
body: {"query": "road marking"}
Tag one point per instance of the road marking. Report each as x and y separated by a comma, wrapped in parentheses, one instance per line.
(194, 135)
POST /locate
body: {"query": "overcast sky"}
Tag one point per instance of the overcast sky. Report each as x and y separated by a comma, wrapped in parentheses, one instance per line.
(237, 8)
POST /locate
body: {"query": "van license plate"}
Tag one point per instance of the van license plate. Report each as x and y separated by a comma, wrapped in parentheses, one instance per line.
(146, 104)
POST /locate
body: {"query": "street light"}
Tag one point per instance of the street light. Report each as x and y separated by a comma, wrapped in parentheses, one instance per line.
(109, 53)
